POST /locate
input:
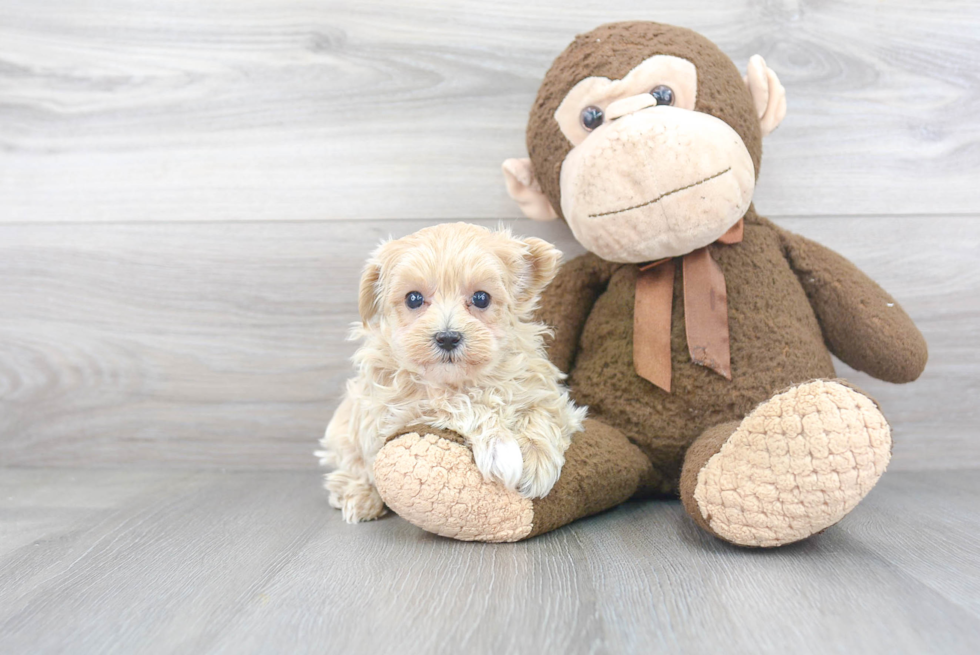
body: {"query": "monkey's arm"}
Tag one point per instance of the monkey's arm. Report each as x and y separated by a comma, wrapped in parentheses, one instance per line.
(567, 302)
(861, 323)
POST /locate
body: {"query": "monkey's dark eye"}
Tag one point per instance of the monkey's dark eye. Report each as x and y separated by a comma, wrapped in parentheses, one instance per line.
(591, 117)
(414, 299)
(481, 300)
(663, 94)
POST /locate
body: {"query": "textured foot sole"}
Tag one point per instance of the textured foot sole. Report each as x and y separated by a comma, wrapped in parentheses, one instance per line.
(433, 483)
(794, 466)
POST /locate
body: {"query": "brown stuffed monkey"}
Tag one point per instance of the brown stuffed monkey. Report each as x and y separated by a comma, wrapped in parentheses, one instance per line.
(697, 332)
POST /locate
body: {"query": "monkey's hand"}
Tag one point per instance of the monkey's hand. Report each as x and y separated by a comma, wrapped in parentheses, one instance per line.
(861, 323)
(567, 302)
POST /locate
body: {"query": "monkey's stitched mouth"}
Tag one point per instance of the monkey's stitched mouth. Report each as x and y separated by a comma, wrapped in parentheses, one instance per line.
(662, 196)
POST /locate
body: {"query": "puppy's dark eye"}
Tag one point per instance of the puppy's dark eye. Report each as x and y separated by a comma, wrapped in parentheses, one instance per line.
(481, 300)
(591, 118)
(663, 94)
(414, 299)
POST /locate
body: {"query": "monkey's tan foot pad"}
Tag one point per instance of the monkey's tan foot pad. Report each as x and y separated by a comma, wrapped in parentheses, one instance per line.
(430, 480)
(794, 466)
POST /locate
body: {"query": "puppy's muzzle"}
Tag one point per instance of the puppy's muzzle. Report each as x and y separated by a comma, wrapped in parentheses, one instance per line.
(448, 340)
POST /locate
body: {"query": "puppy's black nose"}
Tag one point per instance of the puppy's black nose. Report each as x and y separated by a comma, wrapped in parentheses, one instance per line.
(448, 340)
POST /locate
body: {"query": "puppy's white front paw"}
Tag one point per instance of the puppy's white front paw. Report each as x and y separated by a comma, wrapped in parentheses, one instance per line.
(500, 459)
(541, 470)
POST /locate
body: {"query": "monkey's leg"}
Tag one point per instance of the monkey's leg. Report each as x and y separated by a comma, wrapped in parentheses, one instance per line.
(427, 476)
(793, 467)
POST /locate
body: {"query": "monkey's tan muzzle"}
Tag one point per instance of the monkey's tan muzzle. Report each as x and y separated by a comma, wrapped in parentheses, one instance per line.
(656, 182)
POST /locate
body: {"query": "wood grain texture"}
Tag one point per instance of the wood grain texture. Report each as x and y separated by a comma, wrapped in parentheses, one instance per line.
(256, 562)
(404, 109)
(222, 344)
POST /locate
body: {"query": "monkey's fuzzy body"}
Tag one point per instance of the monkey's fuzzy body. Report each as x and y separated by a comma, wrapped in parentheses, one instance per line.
(776, 341)
(779, 452)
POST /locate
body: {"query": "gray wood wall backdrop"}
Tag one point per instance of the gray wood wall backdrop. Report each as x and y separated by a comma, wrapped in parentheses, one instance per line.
(188, 188)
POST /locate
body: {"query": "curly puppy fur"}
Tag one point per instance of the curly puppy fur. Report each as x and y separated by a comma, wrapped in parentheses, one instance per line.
(497, 386)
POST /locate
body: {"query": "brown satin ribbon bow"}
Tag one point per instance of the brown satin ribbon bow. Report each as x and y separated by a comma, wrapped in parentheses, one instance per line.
(705, 313)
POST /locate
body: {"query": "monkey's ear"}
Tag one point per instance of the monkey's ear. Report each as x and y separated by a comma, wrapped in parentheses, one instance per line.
(768, 95)
(523, 188)
(367, 301)
(540, 267)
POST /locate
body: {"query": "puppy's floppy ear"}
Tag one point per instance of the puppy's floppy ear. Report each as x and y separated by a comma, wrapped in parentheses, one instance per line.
(540, 267)
(367, 302)
(382, 260)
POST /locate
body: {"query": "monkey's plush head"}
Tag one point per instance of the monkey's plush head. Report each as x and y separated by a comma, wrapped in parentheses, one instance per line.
(646, 140)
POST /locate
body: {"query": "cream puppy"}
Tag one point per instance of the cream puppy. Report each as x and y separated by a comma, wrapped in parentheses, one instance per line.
(449, 341)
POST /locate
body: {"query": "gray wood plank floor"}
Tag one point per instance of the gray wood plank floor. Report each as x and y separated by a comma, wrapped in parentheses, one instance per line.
(405, 109)
(125, 561)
